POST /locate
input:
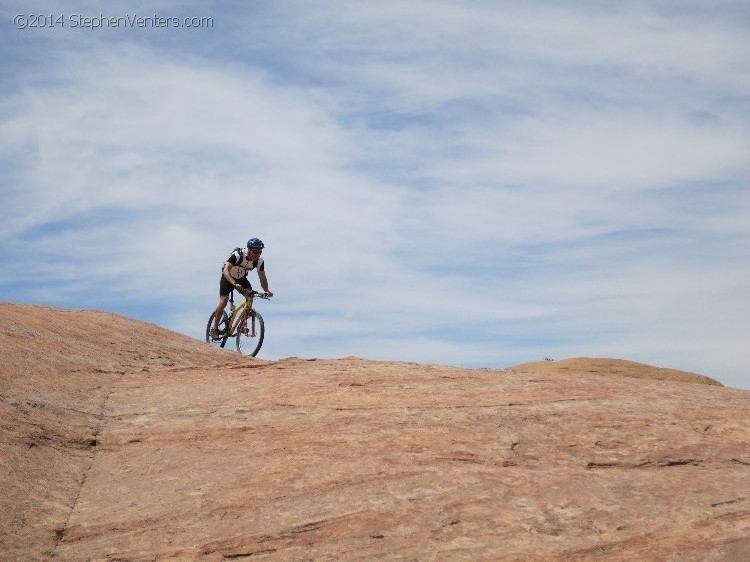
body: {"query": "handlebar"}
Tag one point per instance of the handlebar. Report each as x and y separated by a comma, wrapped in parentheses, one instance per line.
(254, 294)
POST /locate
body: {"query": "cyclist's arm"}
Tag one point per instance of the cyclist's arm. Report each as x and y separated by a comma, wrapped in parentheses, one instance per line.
(264, 282)
(225, 273)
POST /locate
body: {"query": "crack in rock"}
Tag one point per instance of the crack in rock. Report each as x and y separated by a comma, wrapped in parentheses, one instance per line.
(644, 464)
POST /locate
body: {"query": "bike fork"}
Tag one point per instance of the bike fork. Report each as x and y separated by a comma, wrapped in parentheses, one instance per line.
(250, 329)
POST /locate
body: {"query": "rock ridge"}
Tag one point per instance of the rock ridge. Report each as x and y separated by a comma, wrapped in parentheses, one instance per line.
(121, 440)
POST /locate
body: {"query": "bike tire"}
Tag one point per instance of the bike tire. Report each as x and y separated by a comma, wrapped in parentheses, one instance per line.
(246, 344)
(223, 330)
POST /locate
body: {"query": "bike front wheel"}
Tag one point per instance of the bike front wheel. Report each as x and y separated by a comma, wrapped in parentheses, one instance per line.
(223, 330)
(250, 334)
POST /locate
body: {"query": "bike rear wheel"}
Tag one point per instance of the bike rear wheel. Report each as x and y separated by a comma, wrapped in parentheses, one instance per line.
(223, 330)
(250, 334)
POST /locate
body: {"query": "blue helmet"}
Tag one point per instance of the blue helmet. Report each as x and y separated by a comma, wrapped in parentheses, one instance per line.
(255, 243)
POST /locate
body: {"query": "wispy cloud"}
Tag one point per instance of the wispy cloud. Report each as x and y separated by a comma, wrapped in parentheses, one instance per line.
(479, 183)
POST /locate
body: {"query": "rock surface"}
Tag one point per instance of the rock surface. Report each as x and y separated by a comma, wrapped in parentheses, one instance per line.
(611, 367)
(124, 441)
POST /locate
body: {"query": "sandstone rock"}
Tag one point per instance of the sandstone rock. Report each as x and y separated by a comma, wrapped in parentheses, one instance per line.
(207, 455)
(612, 367)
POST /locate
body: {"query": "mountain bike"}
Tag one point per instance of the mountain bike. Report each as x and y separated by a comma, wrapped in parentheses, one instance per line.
(243, 323)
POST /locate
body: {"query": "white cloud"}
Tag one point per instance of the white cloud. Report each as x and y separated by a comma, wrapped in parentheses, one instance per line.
(475, 184)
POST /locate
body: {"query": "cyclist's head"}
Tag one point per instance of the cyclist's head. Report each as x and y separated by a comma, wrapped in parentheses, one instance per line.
(255, 243)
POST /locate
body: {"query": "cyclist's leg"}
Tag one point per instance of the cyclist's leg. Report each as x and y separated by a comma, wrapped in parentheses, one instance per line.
(224, 289)
(219, 310)
(245, 283)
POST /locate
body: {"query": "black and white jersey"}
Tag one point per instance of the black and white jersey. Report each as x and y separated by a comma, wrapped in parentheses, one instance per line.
(240, 263)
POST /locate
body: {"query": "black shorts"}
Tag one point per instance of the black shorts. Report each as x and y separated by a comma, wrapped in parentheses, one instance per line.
(225, 287)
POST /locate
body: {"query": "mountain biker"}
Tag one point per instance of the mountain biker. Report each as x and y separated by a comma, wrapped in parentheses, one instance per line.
(234, 276)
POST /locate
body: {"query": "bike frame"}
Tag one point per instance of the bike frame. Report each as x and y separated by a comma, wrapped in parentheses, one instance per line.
(239, 313)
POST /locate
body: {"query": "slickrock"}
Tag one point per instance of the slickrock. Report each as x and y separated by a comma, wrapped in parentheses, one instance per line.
(124, 441)
(613, 367)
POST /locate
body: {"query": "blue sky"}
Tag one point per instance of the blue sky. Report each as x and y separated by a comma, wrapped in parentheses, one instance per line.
(477, 183)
